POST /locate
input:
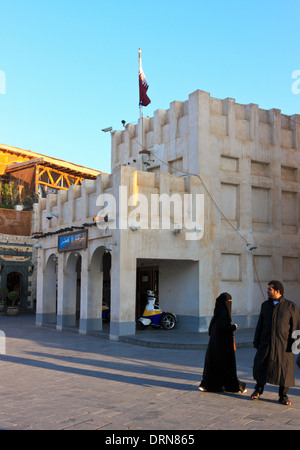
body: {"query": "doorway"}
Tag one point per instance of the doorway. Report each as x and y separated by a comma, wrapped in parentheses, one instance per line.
(147, 279)
(14, 276)
(14, 283)
(78, 285)
(106, 262)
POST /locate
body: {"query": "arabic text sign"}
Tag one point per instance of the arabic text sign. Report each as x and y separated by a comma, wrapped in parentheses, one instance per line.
(73, 241)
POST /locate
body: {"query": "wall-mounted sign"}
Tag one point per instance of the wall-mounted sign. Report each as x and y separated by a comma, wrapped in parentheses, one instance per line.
(14, 258)
(73, 241)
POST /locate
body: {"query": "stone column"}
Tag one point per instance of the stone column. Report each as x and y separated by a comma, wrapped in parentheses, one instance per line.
(60, 286)
(66, 292)
(40, 310)
(123, 293)
(123, 268)
(46, 290)
(91, 296)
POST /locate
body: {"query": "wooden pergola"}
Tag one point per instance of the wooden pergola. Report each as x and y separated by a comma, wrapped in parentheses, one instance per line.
(37, 173)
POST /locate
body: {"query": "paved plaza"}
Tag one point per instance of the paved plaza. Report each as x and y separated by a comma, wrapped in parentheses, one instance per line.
(60, 380)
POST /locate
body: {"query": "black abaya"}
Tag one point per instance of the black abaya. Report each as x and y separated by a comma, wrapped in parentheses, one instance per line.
(274, 361)
(220, 365)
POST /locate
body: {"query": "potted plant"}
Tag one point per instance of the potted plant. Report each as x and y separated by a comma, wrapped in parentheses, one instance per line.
(3, 296)
(12, 309)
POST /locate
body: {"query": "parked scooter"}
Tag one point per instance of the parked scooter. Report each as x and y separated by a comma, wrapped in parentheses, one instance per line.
(105, 312)
(155, 317)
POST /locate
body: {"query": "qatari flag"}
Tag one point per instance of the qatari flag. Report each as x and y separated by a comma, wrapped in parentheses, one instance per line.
(144, 99)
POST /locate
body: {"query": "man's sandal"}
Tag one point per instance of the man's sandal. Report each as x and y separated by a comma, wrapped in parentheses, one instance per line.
(255, 395)
(285, 402)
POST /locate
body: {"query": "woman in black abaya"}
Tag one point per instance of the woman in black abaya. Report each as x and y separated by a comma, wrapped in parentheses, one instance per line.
(219, 373)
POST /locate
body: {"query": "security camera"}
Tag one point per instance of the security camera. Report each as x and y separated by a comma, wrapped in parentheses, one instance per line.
(198, 229)
(106, 129)
(51, 214)
(134, 226)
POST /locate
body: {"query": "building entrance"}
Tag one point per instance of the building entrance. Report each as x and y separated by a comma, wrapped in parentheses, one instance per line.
(147, 279)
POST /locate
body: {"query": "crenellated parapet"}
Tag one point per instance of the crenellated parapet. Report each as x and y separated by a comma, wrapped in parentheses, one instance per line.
(178, 136)
(155, 201)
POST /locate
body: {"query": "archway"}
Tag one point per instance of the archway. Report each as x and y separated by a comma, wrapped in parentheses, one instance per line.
(98, 287)
(14, 276)
(106, 264)
(78, 284)
(50, 290)
(71, 291)
(14, 283)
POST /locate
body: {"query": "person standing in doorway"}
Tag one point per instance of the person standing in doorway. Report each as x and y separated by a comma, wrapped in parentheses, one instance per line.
(274, 361)
(219, 372)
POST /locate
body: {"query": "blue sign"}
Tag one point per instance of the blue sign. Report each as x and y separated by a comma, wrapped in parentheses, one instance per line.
(73, 241)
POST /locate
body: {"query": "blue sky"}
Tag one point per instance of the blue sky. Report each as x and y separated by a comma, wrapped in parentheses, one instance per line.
(71, 66)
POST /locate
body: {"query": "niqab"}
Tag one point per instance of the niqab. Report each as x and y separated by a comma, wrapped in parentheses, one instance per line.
(220, 365)
(223, 300)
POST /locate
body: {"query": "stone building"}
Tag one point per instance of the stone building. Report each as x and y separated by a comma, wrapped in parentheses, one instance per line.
(242, 161)
(26, 176)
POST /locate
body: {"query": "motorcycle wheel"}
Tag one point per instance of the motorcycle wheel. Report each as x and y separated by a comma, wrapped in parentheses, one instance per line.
(168, 321)
(140, 325)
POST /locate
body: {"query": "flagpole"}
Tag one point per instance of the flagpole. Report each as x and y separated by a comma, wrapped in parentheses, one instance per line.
(141, 106)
